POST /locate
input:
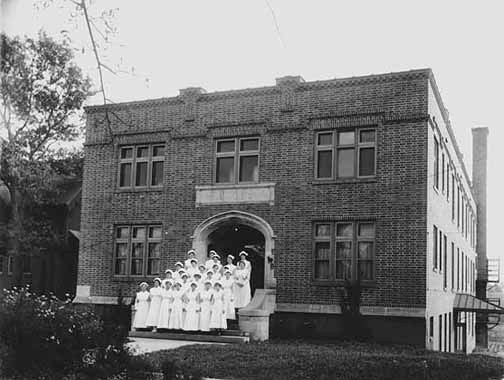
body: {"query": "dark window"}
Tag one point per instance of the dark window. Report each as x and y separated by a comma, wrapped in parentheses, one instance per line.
(1, 264)
(431, 327)
(440, 250)
(141, 166)
(237, 156)
(137, 250)
(445, 260)
(458, 268)
(452, 266)
(436, 163)
(435, 247)
(345, 154)
(453, 197)
(449, 332)
(440, 332)
(445, 348)
(443, 172)
(448, 181)
(344, 250)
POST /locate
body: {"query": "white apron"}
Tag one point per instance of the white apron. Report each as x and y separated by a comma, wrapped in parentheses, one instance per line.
(229, 304)
(206, 310)
(164, 310)
(155, 304)
(191, 322)
(141, 310)
(242, 288)
(218, 317)
(175, 321)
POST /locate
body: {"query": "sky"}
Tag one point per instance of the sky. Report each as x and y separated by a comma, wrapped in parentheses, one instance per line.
(162, 46)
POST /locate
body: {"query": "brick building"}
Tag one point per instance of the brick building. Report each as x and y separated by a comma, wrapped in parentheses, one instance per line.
(319, 181)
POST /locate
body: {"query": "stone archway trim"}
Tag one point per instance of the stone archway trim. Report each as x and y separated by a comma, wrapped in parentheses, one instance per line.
(204, 229)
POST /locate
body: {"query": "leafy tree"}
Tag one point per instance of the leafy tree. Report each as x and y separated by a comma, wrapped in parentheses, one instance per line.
(41, 93)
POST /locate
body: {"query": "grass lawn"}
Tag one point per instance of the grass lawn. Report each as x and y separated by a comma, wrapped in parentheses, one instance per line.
(316, 360)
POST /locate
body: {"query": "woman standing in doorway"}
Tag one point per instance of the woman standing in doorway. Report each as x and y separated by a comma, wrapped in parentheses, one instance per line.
(242, 288)
(228, 286)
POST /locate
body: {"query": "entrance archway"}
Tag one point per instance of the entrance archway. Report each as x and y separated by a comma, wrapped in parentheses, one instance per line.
(254, 235)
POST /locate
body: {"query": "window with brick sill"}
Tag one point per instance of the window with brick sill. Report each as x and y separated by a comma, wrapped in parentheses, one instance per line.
(344, 251)
(236, 160)
(137, 250)
(345, 154)
(141, 166)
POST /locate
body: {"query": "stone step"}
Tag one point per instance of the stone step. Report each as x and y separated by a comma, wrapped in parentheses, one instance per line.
(231, 336)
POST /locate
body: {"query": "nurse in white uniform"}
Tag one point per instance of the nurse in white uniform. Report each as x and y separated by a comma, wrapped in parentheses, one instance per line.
(230, 265)
(155, 304)
(218, 318)
(242, 288)
(206, 308)
(164, 310)
(228, 286)
(191, 254)
(168, 277)
(176, 321)
(141, 307)
(209, 262)
(191, 321)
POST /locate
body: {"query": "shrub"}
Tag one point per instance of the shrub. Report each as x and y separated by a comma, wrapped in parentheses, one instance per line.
(45, 337)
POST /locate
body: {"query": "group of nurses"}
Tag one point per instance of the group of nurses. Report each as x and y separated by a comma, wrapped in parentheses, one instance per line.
(195, 298)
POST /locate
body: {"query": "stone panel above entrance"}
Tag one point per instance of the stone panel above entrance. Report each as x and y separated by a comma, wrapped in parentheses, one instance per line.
(233, 194)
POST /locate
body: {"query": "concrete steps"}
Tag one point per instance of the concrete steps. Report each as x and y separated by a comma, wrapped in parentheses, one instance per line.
(227, 336)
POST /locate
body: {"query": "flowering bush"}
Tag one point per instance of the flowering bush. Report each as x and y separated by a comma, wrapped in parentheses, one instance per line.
(44, 337)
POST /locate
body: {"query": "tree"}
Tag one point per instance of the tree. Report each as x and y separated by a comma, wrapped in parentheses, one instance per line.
(41, 93)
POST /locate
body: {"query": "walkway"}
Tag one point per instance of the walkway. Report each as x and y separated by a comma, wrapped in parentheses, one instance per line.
(145, 345)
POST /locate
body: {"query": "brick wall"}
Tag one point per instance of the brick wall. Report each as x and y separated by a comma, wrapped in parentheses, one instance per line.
(285, 116)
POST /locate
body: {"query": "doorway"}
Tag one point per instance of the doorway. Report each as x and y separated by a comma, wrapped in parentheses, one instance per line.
(232, 238)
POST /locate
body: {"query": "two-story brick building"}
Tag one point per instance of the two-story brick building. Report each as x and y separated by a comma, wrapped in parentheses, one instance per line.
(319, 181)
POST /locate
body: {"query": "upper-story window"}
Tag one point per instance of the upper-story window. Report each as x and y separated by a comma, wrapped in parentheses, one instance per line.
(141, 166)
(137, 250)
(345, 154)
(237, 160)
(436, 163)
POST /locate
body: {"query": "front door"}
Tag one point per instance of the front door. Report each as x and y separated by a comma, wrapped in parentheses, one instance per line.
(232, 239)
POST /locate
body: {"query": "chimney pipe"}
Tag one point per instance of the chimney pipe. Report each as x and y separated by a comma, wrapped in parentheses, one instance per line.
(479, 185)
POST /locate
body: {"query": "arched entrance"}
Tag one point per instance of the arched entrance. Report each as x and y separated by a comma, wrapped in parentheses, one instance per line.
(234, 231)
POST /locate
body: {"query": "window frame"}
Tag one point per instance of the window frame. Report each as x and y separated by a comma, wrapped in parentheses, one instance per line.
(10, 265)
(335, 147)
(333, 240)
(236, 155)
(146, 240)
(436, 163)
(134, 160)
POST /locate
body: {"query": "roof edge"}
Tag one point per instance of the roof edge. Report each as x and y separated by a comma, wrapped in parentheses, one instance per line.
(425, 72)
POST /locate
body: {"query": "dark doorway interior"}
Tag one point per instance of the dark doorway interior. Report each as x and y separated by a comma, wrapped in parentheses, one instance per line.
(231, 239)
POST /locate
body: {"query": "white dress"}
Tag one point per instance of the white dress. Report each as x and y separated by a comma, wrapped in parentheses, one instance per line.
(175, 321)
(155, 304)
(164, 310)
(218, 317)
(141, 310)
(206, 309)
(191, 322)
(209, 264)
(242, 293)
(229, 304)
(187, 263)
(232, 268)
